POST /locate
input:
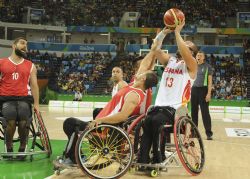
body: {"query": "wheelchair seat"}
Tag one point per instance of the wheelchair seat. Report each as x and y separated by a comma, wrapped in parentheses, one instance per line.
(37, 134)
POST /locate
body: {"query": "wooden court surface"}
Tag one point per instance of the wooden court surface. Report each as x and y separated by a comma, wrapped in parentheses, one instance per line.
(226, 157)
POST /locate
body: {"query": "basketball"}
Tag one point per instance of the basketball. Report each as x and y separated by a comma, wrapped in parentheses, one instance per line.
(173, 17)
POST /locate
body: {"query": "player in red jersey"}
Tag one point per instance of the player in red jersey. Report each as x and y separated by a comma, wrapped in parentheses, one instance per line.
(18, 89)
(124, 104)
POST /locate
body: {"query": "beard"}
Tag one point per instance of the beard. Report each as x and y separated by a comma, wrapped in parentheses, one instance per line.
(20, 53)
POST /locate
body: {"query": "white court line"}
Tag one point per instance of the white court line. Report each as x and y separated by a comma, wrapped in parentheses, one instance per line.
(51, 176)
(232, 143)
(236, 120)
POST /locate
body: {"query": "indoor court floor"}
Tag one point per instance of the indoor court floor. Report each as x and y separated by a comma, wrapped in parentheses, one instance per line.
(227, 155)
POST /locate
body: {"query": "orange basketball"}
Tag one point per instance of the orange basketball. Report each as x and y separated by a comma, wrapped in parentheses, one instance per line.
(173, 17)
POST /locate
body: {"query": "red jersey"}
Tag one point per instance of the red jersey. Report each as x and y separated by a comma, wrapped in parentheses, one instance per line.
(14, 78)
(117, 102)
(147, 100)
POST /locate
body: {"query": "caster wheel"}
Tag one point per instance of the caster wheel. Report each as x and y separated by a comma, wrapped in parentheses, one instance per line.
(154, 173)
(57, 172)
(196, 166)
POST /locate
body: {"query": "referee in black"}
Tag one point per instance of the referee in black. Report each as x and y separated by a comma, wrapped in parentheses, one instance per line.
(201, 94)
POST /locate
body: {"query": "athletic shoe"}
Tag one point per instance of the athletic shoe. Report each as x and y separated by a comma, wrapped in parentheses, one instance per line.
(66, 161)
(21, 157)
(209, 138)
(7, 156)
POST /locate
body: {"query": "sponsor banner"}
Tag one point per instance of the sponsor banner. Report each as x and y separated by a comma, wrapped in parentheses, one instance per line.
(216, 109)
(136, 30)
(207, 49)
(72, 47)
(238, 132)
(100, 104)
(71, 104)
(86, 104)
(53, 103)
(245, 110)
(230, 109)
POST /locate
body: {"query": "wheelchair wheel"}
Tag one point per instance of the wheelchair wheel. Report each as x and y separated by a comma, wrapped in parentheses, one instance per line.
(104, 152)
(42, 131)
(135, 132)
(1, 132)
(189, 145)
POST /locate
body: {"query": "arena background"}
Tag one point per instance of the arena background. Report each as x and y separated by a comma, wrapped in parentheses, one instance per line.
(75, 44)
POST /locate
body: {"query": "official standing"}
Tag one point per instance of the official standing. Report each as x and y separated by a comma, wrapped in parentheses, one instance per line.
(201, 94)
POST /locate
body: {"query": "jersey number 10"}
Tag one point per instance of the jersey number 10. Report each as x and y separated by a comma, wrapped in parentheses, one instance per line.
(15, 76)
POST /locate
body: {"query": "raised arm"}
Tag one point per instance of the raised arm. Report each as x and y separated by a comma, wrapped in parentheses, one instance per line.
(161, 56)
(185, 52)
(155, 53)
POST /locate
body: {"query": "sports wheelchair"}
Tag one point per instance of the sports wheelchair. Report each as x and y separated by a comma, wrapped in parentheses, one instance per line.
(38, 136)
(108, 151)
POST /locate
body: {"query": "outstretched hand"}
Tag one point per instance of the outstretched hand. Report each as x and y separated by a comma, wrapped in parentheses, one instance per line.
(180, 26)
(166, 30)
(93, 124)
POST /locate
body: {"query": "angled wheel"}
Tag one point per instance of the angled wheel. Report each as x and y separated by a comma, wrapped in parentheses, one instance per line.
(104, 152)
(1, 131)
(135, 133)
(189, 145)
(42, 132)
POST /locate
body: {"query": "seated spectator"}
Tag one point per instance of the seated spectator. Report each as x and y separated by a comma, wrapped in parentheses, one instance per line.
(78, 96)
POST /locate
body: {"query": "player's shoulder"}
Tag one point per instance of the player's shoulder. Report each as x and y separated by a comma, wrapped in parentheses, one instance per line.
(5, 58)
(122, 84)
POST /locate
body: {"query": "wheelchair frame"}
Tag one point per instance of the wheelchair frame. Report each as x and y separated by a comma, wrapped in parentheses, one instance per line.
(36, 129)
(97, 158)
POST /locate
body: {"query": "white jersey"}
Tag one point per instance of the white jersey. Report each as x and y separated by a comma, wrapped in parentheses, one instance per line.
(175, 85)
(115, 89)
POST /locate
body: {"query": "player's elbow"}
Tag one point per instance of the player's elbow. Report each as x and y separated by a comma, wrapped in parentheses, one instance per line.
(123, 116)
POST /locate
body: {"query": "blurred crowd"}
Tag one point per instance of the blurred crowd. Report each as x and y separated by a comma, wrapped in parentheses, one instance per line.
(71, 73)
(229, 80)
(94, 13)
(80, 72)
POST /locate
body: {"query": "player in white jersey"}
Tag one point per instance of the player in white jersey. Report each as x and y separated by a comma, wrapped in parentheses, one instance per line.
(117, 78)
(174, 91)
(118, 83)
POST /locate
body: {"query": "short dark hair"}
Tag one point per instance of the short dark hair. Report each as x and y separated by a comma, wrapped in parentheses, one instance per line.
(118, 67)
(151, 80)
(201, 52)
(192, 47)
(19, 38)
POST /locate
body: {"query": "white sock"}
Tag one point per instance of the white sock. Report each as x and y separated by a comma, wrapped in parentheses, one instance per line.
(160, 37)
